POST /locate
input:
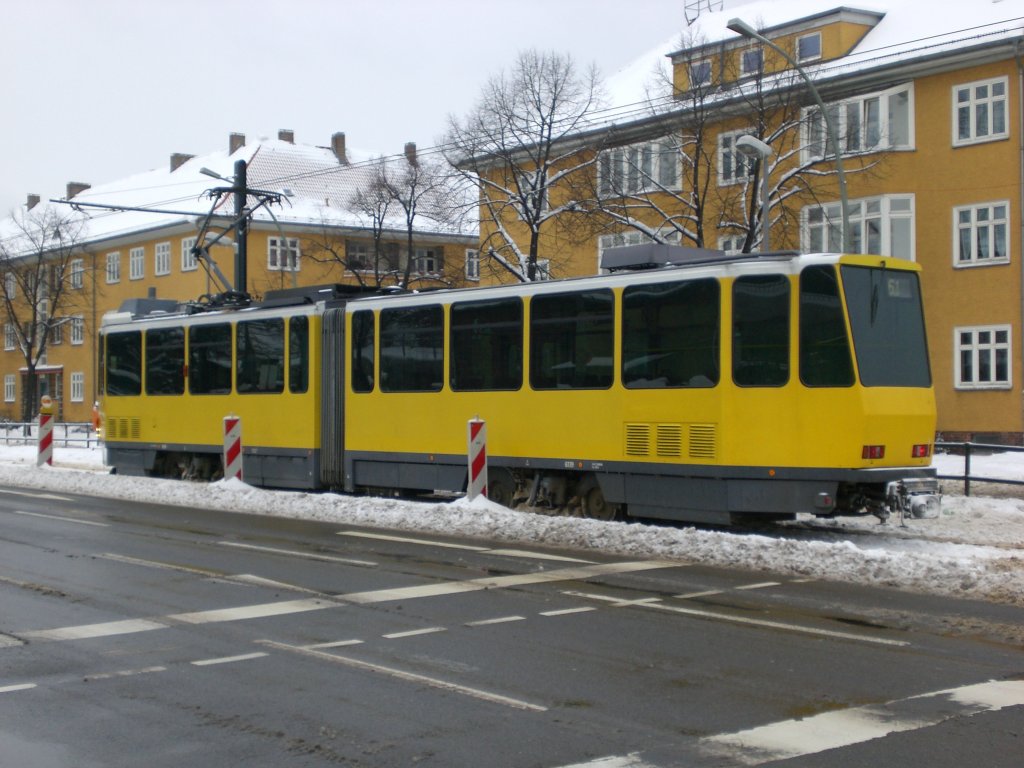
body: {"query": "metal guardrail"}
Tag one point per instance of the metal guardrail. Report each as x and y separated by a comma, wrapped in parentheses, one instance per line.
(967, 449)
(68, 434)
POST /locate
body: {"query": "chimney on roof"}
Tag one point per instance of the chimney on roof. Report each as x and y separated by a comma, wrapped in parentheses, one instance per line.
(338, 146)
(410, 153)
(76, 187)
(178, 159)
(286, 134)
(32, 202)
(235, 142)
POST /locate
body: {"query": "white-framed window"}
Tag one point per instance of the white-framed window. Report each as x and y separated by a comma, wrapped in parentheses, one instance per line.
(808, 47)
(78, 329)
(188, 259)
(751, 61)
(700, 73)
(10, 387)
(357, 256)
(77, 386)
(472, 264)
(57, 333)
(878, 225)
(136, 263)
(114, 267)
(77, 279)
(162, 259)
(983, 357)
(733, 165)
(10, 286)
(981, 234)
(10, 337)
(639, 168)
(427, 261)
(874, 122)
(979, 111)
(282, 256)
(732, 243)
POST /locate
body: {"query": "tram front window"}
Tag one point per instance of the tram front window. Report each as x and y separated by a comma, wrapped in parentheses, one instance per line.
(887, 321)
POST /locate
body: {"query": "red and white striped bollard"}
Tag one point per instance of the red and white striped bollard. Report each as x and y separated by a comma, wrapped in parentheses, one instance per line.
(232, 447)
(477, 484)
(45, 455)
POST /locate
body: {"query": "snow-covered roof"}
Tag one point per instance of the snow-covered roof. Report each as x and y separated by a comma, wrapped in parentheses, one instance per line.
(319, 190)
(908, 30)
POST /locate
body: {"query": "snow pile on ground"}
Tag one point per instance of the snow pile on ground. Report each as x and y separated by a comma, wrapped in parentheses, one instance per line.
(974, 549)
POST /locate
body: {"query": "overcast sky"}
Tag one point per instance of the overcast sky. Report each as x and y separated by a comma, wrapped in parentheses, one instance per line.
(95, 91)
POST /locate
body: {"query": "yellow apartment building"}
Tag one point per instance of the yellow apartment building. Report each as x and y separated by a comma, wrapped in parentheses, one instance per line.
(64, 264)
(925, 110)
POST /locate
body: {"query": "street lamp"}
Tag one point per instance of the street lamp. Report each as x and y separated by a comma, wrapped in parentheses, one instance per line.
(741, 27)
(751, 146)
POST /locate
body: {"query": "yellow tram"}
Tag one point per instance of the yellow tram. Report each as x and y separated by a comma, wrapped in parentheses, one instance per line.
(680, 386)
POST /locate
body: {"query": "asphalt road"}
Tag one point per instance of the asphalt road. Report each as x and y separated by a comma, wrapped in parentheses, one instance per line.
(145, 635)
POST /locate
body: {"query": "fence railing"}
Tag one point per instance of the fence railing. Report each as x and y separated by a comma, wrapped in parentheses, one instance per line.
(68, 434)
(967, 449)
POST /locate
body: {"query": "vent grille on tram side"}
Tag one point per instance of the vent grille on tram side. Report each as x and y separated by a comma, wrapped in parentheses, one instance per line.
(668, 440)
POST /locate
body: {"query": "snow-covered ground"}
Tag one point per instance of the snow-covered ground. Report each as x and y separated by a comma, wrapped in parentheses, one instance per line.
(974, 549)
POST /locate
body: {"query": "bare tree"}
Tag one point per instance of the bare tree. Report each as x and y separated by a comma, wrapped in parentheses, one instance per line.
(37, 274)
(684, 180)
(517, 145)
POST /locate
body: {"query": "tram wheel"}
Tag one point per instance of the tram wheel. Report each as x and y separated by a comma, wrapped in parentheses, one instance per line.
(501, 487)
(595, 505)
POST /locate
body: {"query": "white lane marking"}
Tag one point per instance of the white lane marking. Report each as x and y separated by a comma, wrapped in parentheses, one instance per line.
(334, 644)
(499, 620)
(567, 611)
(32, 495)
(20, 687)
(259, 581)
(87, 631)
(535, 555)
(399, 674)
(124, 673)
(411, 540)
(466, 547)
(658, 605)
(260, 611)
(7, 641)
(414, 633)
(299, 553)
(61, 518)
(370, 597)
(228, 659)
(830, 730)
(162, 566)
(759, 585)
(705, 593)
(621, 761)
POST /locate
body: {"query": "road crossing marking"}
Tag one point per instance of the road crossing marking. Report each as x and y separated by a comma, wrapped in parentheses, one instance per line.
(830, 730)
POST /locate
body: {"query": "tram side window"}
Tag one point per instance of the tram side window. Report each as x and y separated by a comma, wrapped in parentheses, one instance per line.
(124, 363)
(670, 334)
(298, 354)
(487, 345)
(362, 350)
(101, 383)
(412, 349)
(209, 359)
(571, 340)
(760, 331)
(824, 347)
(165, 361)
(259, 356)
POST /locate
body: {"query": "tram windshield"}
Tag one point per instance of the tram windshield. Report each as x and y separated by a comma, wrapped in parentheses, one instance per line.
(887, 321)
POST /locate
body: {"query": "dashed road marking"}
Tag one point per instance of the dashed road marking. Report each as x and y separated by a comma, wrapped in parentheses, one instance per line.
(123, 673)
(298, 553)
(61, 518)
(498, 620)
(17, 687)
(466, 547)
(414, 633)
(229, 659)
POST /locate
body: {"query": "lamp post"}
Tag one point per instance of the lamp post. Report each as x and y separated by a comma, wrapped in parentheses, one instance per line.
(741, 27)
(751, 146)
